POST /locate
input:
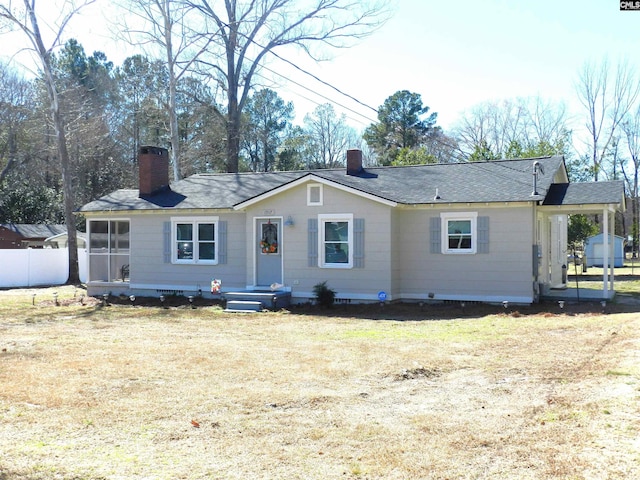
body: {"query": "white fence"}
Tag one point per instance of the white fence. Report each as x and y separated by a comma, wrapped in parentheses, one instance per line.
(32, 267)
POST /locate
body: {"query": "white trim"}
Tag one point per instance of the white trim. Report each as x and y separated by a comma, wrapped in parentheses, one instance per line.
(582, 208)
(254, 248)
(323, 218)
(194, 221)
(444, 231)
(373, 297)
(108, 253)
(158, 211)
(204, 287)
(368, 297)
(467, 298)
(312, 178)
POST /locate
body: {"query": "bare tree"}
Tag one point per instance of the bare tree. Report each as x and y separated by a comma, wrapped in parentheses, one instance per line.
(16, 106)
(246, 31)
(631, 128)
(511, 127)
(166, 25)
(607, 101)
(329, 137)
(27, 20)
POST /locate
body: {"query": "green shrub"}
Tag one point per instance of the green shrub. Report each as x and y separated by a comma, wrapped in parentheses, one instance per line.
(324, 295)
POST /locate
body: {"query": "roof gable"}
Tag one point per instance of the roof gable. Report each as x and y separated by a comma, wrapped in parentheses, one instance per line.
(313, 177)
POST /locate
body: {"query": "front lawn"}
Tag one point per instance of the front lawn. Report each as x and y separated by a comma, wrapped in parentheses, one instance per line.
(396, 392)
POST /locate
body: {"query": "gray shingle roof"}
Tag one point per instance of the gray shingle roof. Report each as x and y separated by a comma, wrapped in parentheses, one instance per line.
(585, 193)
(495, 181)
(32, 230)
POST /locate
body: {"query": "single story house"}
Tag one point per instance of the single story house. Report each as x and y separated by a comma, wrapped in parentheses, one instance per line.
(20, 235)
(479, 231)
(594, 250)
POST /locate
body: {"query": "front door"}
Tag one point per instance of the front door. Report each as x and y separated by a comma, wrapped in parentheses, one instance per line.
(268, 251)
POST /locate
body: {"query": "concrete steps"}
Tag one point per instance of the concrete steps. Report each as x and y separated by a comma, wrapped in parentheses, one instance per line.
(256, 301)
(243, 306)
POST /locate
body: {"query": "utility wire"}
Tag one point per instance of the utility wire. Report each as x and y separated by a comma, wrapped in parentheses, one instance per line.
(310, 75)
(320, 95)
(323, 82)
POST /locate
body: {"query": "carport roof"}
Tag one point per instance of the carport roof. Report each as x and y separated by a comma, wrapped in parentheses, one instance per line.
(592, 193)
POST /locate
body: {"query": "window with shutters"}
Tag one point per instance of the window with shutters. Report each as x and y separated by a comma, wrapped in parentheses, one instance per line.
(194, 240)
(335, 237)
(459, 232)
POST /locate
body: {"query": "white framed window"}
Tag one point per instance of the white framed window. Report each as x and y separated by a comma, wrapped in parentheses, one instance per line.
(335, 240)
(314, 195)
(459, 232)
(194, 240)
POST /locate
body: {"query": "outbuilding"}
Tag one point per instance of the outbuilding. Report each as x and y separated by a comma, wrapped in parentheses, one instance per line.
(594, 250)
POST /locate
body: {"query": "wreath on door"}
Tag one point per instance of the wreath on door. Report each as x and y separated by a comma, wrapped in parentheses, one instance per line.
(269, 242)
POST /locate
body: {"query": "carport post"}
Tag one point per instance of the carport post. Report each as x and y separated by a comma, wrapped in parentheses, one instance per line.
(605, 253)
(612, 257)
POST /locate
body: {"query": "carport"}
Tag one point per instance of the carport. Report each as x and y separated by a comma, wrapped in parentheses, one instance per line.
(600, 198)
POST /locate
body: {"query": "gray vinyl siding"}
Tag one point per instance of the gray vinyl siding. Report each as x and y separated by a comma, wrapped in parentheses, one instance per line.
(504, 270)
(369, 275)
(149, 265)
(400, 254)
(396, 265)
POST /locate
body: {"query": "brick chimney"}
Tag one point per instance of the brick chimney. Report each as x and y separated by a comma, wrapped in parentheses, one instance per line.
(354, 162)
(153, 166)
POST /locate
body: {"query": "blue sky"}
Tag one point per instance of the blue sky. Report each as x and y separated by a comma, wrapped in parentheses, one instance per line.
(455, 54)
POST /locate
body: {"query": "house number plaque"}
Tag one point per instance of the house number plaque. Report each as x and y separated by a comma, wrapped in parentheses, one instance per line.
(269, 211)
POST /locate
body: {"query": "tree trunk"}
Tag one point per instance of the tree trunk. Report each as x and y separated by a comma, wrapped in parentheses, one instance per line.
(69, 217)
(233, 135)
(63, 153)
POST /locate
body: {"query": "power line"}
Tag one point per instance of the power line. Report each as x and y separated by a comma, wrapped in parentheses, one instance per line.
(321, 96)
(323, 82)
(315, 77)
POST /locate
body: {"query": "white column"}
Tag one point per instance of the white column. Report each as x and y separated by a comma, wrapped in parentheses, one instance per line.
(605, 253)
(612, 244)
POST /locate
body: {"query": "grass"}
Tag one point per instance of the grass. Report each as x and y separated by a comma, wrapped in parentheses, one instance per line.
(401, 392)
(627, 278)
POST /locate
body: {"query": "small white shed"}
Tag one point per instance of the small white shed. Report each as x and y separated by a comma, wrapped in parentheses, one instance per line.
(62, 241)
(594, 250)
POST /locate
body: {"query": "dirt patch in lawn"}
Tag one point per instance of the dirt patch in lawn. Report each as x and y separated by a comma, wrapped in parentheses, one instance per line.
(122, 390)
